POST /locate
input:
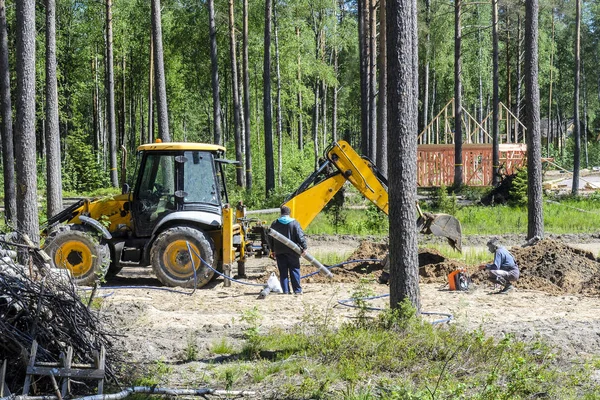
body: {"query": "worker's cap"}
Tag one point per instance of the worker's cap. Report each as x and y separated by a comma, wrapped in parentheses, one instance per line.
(494, 242)
(285, 210)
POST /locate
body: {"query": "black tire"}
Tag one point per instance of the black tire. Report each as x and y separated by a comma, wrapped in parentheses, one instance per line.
(78, 249)
(171, 260)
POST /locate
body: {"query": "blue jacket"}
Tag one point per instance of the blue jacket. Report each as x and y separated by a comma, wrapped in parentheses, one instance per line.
(291, 229)
(505, 261)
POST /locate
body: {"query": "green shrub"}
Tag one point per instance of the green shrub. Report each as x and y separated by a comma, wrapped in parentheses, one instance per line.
(517, 194)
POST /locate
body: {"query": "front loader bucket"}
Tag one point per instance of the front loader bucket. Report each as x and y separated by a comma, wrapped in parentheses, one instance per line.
(443, 225)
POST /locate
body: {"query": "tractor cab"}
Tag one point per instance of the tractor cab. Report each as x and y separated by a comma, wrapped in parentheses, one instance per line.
(175, 178)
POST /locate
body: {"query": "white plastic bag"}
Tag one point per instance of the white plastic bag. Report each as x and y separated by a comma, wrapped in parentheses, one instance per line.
(274, 284)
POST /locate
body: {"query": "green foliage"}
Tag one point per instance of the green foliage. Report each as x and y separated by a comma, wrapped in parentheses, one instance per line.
(569, 215)
(518, 191)
(444, 202)
(357, 361)
(360, 297)
(252, 318)
(376, 221)
(399, 318)
(191, 349)
(81, 171)
(335, 212)
(154, 374)
(222, 347)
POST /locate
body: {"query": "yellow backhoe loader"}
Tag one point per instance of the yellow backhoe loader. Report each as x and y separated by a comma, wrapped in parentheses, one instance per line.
(180, 198)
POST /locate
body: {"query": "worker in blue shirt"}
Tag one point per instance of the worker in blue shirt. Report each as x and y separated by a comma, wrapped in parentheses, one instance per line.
(503, 269)
(288, 261)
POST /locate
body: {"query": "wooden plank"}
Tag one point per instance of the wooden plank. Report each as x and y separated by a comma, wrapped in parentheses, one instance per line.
(32, 356)
(67, 359)
(3, 388)
(101, 363)
(66, 372)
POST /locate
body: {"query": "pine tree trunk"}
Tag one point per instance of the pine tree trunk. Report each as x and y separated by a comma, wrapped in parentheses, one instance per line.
(426, 61)
(95, 108)
(299, 98)
(495, 98)
(6, 128)
(214, 61)
(585, 119)
(458, 140)
(278, 113)
(364, 74)
(373, 79)
(267, 104)
(535, 220)
(315, 123)
(110, 82)
(26, 168)
(550, 121)
(246, 75)
(159, 74)
(519, 51)
(237, 134)
(576, 125)
(402, 150)
(334, 100)
(381, 158)
(151, 93)
(53, 170)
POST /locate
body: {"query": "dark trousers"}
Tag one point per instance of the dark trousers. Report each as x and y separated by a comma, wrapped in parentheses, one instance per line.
(289, 269)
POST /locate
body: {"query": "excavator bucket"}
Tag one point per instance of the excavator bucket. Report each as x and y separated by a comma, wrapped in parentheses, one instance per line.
(443, 225)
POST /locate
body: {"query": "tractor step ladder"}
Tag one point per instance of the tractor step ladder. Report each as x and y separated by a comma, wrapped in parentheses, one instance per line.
(65, 370)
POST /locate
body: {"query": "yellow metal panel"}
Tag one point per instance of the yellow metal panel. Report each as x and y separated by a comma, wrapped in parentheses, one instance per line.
(228, 230)
(109, 211)
(309, 203)
(180, 146)
(358, 171)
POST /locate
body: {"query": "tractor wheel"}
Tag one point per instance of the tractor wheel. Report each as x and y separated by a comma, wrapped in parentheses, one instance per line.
(77, 249)
(171, 259)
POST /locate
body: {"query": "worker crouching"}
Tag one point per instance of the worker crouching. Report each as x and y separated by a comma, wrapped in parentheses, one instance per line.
(503, 269)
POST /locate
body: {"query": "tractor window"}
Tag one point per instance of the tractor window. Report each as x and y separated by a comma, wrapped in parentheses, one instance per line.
(200, 183)
(157, 188)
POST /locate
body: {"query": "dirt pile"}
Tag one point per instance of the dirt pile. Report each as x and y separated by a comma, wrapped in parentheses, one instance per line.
(549, 266)
(555, 267)
(433, 266)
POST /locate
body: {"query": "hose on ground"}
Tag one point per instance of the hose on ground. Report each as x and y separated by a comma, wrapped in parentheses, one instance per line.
(348, 303)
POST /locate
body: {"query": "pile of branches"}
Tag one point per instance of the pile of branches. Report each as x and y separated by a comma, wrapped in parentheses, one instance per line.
(42, 304)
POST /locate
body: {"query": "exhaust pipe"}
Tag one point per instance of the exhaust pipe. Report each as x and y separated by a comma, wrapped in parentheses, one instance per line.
(280, 238)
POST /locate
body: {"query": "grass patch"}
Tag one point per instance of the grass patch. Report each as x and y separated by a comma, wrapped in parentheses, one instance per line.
(570, 215)
(222, 347)
(469, 256)
(331, 258)
(398, 356)
(154, 375)
(567, 216)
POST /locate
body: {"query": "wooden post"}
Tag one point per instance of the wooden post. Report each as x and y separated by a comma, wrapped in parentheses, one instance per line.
(32, 356)
(66, 362)
(3, 392)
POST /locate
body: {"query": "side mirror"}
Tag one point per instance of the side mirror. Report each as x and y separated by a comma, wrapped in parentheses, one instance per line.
(125, 188)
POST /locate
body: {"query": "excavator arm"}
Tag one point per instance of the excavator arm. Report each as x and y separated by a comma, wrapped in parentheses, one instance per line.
(343, 164)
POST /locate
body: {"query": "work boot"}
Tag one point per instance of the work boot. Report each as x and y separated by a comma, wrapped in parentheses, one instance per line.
(508, 288)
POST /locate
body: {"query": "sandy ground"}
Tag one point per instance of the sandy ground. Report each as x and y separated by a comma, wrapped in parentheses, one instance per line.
(160, 325)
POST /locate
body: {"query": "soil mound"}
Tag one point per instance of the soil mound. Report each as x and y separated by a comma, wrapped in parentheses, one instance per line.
(555, 267)
(433, 266)
(549, 266)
